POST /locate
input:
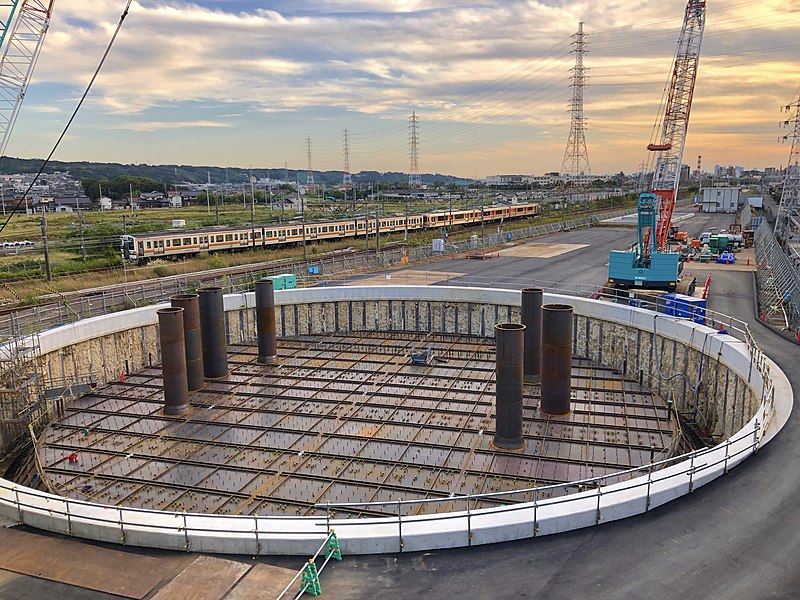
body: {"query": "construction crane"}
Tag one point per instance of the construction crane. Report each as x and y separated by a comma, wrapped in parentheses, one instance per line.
(7, 10)
(648, 264)
(20, 44)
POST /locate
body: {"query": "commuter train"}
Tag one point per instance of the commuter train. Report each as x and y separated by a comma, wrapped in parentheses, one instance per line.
(139, 248)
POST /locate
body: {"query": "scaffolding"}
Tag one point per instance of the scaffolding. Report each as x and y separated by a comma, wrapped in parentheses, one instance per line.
(22, 402)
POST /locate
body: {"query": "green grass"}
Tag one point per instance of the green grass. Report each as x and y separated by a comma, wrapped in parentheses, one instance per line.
(65, 261)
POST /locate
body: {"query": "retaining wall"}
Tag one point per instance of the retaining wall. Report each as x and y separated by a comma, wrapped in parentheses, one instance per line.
(723, 381)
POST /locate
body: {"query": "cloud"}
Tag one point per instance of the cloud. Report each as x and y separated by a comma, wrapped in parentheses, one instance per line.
(163, 125)
(489, 76)
(43, 109)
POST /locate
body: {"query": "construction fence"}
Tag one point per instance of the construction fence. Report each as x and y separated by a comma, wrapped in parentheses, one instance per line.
(778, 279)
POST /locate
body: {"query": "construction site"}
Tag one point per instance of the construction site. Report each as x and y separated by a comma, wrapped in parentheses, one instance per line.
(347, 417)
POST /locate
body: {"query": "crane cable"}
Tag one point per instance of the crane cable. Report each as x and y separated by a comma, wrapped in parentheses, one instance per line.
(72, 118)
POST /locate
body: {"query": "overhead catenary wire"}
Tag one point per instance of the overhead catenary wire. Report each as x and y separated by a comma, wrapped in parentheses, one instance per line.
(72, 117)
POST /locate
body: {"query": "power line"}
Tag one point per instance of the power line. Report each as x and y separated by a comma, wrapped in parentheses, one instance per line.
(74, 114)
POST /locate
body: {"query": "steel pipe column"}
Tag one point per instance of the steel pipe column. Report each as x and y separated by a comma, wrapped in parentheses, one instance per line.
(510, 338)
(173, 361)
(556, 358)
(265, 322)
(190, 303)
(532, 319)
(212, 326)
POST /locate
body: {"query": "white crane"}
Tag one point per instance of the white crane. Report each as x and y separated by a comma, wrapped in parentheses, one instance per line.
(20, 44)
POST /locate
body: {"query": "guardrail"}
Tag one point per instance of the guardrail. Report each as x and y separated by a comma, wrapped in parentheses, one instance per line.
(454, 520)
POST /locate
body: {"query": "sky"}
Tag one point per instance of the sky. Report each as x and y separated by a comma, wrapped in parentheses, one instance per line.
(245, 83)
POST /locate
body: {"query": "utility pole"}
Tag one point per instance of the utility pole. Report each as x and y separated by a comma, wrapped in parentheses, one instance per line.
(208, 196)
(575, 166)
(377, 230)
(405, 232)
(83, 245)
(47, 271)
(303, 215)
(483, 235)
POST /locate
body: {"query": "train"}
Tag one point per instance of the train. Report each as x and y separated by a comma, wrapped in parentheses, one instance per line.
(141, 248)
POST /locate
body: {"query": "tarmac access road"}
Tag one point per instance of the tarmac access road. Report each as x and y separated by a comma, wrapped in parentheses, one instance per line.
(584, 267)
(735, 538)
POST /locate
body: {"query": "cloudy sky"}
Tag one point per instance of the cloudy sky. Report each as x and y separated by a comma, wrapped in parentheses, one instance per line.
(245, 82)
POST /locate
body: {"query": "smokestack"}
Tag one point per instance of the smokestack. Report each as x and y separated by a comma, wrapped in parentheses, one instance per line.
(173, 361)
(265, 322)
(190, 303)
(212, 326)
(532, 319)
(556, 358)
(509, 338)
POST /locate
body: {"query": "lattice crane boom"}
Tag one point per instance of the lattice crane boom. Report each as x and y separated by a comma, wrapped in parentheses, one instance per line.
(675, 122)
(18, 59)
(7, 10)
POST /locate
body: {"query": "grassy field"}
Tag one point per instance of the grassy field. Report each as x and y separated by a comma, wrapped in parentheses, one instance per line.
(100, 251)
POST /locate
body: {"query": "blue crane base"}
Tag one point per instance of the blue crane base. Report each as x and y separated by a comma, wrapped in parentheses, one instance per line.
(626, 271)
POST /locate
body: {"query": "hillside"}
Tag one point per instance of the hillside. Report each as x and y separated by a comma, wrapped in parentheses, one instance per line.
(174, 174)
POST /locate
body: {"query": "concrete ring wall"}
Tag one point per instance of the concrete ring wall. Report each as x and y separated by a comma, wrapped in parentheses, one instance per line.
(741, 395)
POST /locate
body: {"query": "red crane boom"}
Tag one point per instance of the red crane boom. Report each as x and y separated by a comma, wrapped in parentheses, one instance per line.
(675, 122)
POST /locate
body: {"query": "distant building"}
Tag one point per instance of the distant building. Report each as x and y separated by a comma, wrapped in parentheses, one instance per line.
(721, 199)
(71, 203)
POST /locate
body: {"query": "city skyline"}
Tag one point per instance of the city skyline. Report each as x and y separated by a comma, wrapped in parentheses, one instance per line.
(227, 83)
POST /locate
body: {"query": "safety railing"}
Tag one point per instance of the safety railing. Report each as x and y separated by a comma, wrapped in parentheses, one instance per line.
(690, 469)
(309, 574)
(645, 487)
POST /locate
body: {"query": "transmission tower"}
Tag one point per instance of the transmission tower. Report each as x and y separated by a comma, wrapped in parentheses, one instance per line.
(575, 167)
(310, 171)
(347, 179)
(787, 225)
(414, 178)
(20, 52)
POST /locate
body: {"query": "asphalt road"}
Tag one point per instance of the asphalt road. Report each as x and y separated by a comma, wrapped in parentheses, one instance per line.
(734, 538)
(584, 268)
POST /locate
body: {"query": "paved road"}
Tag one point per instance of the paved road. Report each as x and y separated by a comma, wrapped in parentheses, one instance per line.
(735, 538)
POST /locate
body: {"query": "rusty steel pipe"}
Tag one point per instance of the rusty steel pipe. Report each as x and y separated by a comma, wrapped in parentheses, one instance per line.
(509, 338)
(212, 328)
(532, 319)
(190, 303)
(265, 322)
(556, 358)
(173, 361)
